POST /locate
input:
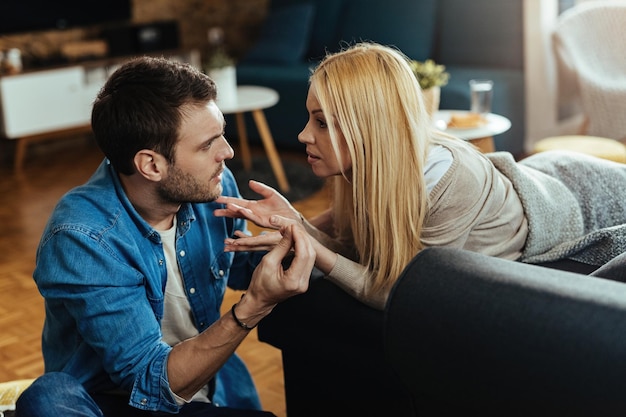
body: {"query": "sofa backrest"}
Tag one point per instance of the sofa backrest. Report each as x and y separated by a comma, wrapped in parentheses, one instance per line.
(480, 33)
(468, 333)
(325, 22)
(407, 24)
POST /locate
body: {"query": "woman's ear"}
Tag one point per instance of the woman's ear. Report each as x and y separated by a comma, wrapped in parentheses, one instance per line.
(149, 164)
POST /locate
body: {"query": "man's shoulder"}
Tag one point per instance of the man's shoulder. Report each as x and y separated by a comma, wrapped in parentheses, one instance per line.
(90, 206)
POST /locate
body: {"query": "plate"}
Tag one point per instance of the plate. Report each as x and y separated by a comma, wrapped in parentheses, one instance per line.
(495, 125)
(442, 119)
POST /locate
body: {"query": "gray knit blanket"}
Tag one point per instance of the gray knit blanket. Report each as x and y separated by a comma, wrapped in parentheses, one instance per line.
(575, 205)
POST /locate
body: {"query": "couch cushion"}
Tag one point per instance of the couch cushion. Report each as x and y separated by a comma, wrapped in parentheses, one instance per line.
(285, 35)
(325, 24)
(408, 25)
(498, 42)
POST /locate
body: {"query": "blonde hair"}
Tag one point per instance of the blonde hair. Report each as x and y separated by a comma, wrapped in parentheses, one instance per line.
(371, 96)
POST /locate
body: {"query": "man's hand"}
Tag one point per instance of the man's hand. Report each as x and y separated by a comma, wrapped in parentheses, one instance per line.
(271, 283)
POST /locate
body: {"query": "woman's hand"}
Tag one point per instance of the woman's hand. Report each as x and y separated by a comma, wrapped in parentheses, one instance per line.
(244, 243)
(266, 241)
(258, 211)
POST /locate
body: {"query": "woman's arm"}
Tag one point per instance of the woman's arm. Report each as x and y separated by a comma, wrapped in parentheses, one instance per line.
(323, 222)
(355, 279)
(349, 275)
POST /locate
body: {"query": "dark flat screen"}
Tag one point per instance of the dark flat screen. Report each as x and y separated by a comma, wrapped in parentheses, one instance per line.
(33, 15)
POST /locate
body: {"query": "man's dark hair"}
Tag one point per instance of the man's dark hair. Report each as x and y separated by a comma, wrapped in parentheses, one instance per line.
(139, 107)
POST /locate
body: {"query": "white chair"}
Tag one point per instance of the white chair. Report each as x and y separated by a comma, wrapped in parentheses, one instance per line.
(590, 43)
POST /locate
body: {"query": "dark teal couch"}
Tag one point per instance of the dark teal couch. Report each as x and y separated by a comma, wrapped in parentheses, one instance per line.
(462, 334)
(474, 39)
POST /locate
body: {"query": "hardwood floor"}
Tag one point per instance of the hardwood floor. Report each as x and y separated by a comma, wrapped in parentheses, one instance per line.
(26, 200)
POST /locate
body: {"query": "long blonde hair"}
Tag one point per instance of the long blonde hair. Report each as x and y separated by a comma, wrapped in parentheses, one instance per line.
(371, 96)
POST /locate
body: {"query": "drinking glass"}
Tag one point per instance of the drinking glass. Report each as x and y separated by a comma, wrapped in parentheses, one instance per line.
(481, 92)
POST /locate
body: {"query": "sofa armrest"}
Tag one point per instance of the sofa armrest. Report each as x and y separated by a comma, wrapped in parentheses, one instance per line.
(332, 349)
(467, 333)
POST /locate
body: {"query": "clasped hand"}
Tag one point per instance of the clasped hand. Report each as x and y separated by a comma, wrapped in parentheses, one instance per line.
(273, 211)
(271, 283)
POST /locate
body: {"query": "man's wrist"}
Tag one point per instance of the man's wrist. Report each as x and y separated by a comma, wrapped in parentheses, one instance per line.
(240, 323)
(240, 312)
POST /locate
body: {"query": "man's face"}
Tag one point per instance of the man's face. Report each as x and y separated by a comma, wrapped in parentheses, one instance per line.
(195, 176)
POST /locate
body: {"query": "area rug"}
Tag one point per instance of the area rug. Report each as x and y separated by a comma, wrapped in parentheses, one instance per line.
(302, 181)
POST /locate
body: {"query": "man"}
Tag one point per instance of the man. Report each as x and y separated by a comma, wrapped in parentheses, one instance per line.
(132, 264)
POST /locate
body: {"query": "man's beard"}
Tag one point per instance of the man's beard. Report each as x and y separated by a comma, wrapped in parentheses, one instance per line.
(180, 187)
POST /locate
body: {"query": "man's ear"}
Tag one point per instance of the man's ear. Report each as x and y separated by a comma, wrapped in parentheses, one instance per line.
(151, 165)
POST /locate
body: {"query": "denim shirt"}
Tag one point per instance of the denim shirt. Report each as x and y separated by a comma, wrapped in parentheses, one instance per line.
(101, 269)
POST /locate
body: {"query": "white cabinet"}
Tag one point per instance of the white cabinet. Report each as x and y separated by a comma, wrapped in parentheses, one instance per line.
(48, 100)
(55, 103)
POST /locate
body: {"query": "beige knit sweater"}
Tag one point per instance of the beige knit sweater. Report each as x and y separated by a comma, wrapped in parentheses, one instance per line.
(472, 207)
(551, 206)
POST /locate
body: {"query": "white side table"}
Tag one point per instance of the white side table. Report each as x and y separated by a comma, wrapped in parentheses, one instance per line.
(480, 136)
(254, 99)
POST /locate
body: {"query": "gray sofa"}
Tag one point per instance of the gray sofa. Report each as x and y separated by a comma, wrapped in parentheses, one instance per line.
(472, 335)
(474, 39)
(462, 334)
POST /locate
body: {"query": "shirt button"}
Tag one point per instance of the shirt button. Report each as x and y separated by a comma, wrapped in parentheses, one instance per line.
(192, 291)
(160, 261)
(144, 401)
(221, 273)
(182, 253)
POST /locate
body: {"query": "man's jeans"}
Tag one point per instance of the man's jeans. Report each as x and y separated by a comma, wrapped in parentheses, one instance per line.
(60, 394)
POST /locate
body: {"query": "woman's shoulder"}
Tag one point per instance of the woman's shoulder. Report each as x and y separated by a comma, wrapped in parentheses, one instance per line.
(468, 167)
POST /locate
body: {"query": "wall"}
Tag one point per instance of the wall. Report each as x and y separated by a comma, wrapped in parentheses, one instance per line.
(543, 106)
(240, 20)
(541, 83)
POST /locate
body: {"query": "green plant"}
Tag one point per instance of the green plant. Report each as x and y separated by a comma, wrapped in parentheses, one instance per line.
(429, 74)
(218, 58)
(215, 56)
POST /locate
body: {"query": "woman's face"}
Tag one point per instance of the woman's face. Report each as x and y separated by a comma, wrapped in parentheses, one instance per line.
(316, 137)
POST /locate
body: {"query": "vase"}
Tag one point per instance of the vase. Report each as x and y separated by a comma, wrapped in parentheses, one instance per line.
(431, 99)
(226, 80)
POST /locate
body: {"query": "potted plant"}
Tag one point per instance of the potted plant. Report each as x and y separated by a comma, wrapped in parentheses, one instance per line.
(220, 66)
(431, 78)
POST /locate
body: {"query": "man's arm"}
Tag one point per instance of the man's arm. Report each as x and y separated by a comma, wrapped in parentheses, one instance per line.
(193, 362)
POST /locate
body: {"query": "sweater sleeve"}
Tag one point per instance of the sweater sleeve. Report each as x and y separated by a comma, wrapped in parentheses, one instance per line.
(354, 279)
(347, 274)
(328, 241)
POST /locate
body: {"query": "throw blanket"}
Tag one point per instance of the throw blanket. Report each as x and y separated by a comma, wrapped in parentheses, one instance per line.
(575, 205)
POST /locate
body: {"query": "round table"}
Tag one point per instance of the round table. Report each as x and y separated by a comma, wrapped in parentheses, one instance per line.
(480, 136)
(252, 98)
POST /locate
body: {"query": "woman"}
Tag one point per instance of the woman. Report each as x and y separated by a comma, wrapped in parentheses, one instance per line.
(400, 186)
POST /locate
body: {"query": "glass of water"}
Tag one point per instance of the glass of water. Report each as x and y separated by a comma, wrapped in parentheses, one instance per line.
(481, 92)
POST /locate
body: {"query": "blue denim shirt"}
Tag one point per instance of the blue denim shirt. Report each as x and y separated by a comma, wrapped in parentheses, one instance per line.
(101, 269)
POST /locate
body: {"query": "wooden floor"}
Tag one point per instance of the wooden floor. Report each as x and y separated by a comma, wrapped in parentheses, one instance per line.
(26, 201)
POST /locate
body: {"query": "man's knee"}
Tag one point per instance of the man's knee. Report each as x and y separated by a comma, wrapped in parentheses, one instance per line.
(55, 389)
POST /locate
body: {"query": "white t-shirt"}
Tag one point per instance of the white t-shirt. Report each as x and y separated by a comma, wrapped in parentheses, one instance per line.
(177, 323)
(438, 162)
